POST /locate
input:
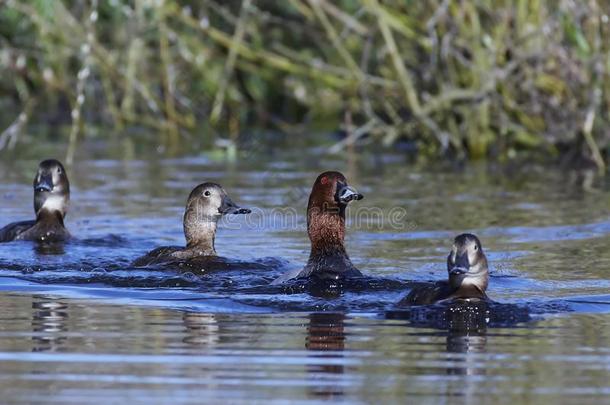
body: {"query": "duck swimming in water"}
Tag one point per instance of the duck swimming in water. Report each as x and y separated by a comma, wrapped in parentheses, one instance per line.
(206, 204)
(468, 275)
(328, 259)
(51, 197)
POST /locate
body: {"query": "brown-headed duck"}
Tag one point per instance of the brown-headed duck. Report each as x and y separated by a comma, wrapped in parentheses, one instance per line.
(328, 259)
(468, 275)
(206, 204)
(51, 198)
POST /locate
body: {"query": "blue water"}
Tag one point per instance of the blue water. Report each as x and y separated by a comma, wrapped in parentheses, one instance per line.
(78, 321)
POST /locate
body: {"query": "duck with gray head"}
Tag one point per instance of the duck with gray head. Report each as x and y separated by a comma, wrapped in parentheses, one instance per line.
(51, 198)
(468, 275)
(205, 206)
(328, 259)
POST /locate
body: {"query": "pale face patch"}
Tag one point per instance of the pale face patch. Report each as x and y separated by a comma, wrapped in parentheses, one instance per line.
(206, 205)
(472, 252)
(54, 203)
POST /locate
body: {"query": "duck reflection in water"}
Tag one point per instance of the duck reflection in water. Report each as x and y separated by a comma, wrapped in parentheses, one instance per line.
(49, 324)
(201, 330)
(467, 326)
(467, 333)
(326, 340)
(49, 248)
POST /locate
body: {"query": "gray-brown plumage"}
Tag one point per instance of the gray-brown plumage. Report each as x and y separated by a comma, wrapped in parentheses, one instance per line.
(468, 275)
(51, 198)
(206, 204)
(328, 259)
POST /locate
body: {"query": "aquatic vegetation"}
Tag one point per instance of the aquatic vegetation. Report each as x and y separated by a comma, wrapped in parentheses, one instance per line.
(475, 78)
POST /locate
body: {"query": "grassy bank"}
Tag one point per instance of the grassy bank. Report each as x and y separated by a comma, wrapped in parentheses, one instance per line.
(477, 78)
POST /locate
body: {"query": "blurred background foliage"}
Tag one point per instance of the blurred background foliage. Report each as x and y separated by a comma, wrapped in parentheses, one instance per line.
(466, 79)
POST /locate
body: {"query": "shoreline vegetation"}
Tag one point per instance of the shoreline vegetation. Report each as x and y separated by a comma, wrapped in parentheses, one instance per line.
(471, 79)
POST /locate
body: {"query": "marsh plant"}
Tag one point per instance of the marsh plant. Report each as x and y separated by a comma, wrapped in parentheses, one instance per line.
(470, 78)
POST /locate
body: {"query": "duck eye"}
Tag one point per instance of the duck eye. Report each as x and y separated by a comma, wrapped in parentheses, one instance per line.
(59, 170)
(476, 247)
(207, 193)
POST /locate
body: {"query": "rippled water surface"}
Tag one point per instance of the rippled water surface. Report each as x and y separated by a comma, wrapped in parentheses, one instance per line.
(78, 322)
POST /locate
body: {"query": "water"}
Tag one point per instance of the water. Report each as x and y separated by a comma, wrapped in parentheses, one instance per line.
(76, 321)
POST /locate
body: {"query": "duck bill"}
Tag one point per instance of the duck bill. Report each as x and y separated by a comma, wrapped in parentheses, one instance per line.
(347, 194)
(44, 183)
(229, 207)
(462, 266)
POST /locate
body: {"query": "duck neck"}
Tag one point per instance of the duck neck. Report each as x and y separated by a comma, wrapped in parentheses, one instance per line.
(50, 209)
(200, 235)
(326, 229)
(473, 286)
(49, 217)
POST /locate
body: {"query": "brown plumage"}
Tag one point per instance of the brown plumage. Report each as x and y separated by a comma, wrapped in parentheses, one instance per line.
(328, 258)
(206, 204)
(468, 275)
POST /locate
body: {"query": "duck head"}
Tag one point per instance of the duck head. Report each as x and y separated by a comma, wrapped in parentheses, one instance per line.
(328, 200)
(330, 191)
(51, 190)
(206, 204)
(467, 264)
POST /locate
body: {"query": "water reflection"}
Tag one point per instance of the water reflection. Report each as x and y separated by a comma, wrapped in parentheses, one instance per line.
(49, 248)
(93, 349)
(326, 340)
(466, 323)
(49, 323)
(467, 333)
(201, 329)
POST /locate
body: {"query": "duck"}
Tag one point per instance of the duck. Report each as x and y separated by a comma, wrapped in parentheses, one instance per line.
(206, 204)
(51, 198)
(468, 276)
(328, 259)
